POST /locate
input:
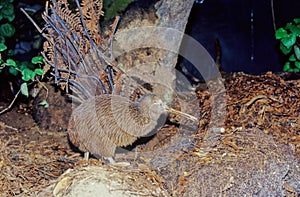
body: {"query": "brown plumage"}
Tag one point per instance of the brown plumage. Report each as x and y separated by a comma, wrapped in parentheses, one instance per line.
(106, 121)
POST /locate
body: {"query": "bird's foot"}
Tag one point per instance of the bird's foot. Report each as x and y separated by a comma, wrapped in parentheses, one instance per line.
(111, 161)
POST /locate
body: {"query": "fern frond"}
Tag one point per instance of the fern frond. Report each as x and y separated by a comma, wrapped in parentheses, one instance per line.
(92, 11)
(74, 49)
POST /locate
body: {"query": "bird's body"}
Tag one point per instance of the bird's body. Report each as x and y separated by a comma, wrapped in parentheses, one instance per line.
(106, 121)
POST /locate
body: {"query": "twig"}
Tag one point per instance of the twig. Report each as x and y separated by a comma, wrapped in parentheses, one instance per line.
(11, 104)
(114, 27)
(43, 86)
(251, 102)
(273, 15)
(3, 125)
(32, 21)
(254, 99)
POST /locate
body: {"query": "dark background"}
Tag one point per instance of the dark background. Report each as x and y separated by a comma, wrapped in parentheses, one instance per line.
(230, 22)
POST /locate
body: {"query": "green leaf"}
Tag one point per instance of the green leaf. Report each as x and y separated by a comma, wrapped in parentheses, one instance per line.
(13, 71)
(7, 12)
(281, 33)
(24, 89)
(37, 43)
(296, 20)
(289, 41)
(37, 60)
(289, 26)
(297, 52)
(10, 18)
(287, 67)
(296, 70)
(3, 47)
(10, 52)
(113, 8)
(44, 103)
(23, 65)
(295, 30)
(297, 64)
(8, 9)
(2, 39)
(7, 30)
(292, 58)
(10, 62)
(284, 49)
(39, 71)
(27, 74)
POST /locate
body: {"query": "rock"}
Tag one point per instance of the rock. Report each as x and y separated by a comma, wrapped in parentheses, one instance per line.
(103, 181)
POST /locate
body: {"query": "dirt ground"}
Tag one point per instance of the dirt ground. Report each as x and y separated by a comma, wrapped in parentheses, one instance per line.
(259, 146)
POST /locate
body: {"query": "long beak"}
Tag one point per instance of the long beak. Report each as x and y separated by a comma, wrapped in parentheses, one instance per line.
(174, 111)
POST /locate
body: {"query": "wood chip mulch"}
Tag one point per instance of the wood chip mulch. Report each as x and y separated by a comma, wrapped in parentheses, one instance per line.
(31, 159)
(266, 102)
(269, 103)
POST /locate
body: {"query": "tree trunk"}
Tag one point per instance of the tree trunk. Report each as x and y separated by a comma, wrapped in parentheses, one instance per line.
(147, 46)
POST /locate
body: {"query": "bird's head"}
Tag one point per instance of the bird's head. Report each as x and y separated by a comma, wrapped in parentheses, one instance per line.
(156, 107)
(153, 105)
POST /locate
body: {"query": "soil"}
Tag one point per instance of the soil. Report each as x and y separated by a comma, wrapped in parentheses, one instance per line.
(256, 153)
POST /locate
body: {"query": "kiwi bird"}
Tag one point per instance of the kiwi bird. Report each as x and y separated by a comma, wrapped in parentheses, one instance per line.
(105, 122)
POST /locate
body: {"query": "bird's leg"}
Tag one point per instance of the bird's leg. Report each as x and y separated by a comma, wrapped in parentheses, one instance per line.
(86, 156)
(135, 153)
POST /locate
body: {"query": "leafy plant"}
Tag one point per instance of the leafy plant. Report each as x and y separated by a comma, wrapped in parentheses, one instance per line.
(7, 10)
(27, 71)
(290, 44)
(113, 8)
(7, 13)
